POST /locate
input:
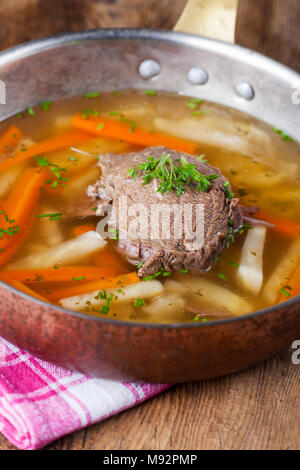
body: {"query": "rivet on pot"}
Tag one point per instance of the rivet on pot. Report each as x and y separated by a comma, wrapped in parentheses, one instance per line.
(245, 90)
(197, 76)
(149, 68)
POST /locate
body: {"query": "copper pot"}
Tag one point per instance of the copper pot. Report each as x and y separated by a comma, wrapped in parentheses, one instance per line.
(71, 64)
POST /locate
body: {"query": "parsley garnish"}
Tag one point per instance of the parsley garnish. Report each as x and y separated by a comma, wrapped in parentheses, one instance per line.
(222, 276)
(79, 278)
(172, 177)
(46, 105)
(91, 95)
(285, 292)
(235, 265)
(284, 136)
(53, 216)
(138, 303)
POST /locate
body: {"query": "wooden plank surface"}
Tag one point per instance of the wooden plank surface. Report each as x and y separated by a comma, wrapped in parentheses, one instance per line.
(255, 409)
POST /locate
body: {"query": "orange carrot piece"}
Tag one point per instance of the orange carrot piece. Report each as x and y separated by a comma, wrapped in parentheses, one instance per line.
(295, 283)
(26, 290)
(10, 139)
(60, 274)
(57, 142)
(106, 258)
(123, 131)
(284, 226)
(19, 240)
(81, 229)
(19, 208)
(109, 283)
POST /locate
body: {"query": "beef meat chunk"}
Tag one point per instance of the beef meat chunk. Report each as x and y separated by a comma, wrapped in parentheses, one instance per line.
(170, 254)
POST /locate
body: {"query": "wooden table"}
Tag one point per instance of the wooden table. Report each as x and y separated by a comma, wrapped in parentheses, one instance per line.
(255, 409)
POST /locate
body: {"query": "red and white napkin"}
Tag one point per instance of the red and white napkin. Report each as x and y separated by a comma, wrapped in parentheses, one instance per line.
(40, 402)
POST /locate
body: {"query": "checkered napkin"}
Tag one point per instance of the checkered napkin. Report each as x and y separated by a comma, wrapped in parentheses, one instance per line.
(40, 402)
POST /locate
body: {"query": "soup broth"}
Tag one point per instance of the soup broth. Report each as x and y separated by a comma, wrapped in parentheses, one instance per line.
(57, 258)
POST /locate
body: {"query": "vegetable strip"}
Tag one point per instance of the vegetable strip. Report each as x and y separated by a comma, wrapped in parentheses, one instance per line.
(10, 139)
(55, 274)
(116, 281)
(19, 208)
(26, 290)
(295, 282)
(49, 145)
(120, 130)
(284, 226)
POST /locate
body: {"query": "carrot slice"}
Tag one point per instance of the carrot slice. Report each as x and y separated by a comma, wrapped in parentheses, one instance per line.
(18, 210)
(49, 145)
(106, 257)
(81, 229)
(109, 283)
(295, 282)
(10, 139)
(26, 290)
(284, 226)
(60, 274)
(123, 131)
(18, 241)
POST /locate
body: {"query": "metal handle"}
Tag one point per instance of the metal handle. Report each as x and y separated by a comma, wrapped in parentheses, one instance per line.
(211, 18)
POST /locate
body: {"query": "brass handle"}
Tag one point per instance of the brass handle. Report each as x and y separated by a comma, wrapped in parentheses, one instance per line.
(211, 18)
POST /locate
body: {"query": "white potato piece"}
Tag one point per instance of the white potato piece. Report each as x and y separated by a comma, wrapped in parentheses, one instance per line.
(282, 274)
(174, 287)
(68, 252)
(34, 248)
(250, 271)
(165, 306)
(212, 294)
(62, 122)
(201, 131)
(50, 229)
(139, 290)
(214, 130)
(9, 177)
(77, 187)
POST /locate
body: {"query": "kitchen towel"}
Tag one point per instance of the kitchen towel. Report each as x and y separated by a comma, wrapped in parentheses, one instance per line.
(40, 402)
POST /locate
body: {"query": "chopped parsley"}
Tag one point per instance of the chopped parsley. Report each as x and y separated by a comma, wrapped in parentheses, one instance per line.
(193, 102)
(172, 177)
(150, 92)
(222, 276)
(200, 112)
(138, 303)
(43, 162)
(31, 111)
(46, 105)
(235, 265)
(229, 194)
(105, 308)
(285, 292)
(93, 94)
(79, 278)
(284, 136)
(52, 216)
